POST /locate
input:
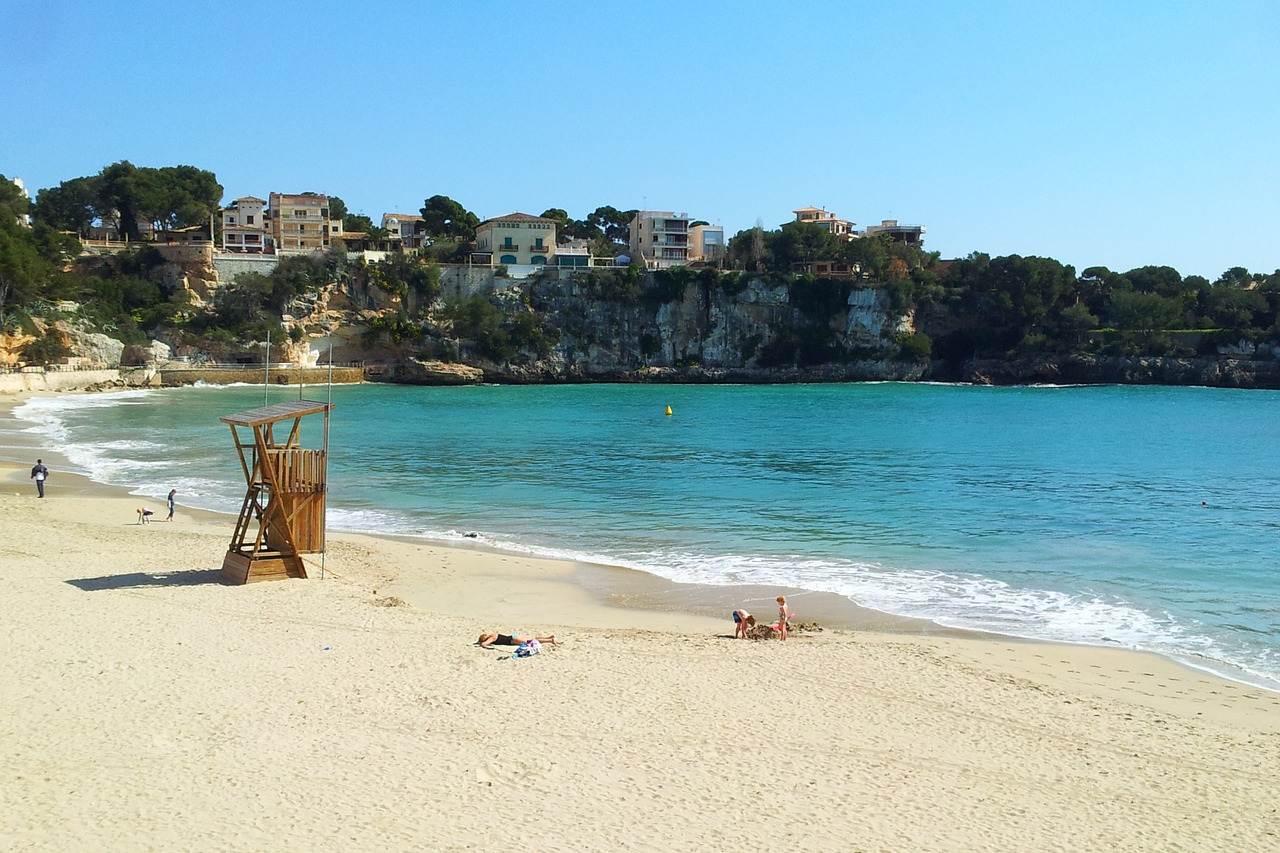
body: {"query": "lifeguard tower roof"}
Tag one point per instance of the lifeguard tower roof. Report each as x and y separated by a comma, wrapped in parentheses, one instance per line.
(276, 412)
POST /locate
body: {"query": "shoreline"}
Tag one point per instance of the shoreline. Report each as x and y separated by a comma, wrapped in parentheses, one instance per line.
(149, 704)
(632, 588)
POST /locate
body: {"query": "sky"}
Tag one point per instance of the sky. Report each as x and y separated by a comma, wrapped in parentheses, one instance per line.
(1115, 134)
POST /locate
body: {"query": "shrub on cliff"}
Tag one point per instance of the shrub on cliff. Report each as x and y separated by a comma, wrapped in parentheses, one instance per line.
(46, 349)
(914, 346)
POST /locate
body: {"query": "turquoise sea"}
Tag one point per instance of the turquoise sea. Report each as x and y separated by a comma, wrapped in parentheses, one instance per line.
(1143, 517)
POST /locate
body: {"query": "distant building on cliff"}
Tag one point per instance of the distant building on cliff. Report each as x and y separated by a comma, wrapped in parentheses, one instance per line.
(300, 224)
(23, 219)
(912, 235)
(244, 226)
(826, 220)
(408, 228)
(518, 239)
(706, 243)
(660, 238)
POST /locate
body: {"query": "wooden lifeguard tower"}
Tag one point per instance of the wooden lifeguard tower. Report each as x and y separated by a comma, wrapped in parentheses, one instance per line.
(286, 493)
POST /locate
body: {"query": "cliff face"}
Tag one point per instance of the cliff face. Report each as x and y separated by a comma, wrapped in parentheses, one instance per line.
(701, 333)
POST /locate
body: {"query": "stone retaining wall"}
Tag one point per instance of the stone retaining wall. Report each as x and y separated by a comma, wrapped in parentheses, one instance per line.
(253, 375)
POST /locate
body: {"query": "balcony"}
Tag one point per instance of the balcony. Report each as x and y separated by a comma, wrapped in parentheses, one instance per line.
(512, 247)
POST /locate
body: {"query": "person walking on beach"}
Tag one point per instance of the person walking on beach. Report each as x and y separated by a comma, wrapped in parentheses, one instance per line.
(39, 473)
(172, 492)
(742, 622)
(784, 616)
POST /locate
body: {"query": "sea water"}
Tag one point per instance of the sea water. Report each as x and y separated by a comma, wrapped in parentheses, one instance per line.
(1141, 517)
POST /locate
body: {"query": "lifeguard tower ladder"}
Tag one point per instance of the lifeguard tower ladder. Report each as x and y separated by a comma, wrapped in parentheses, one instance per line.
(285, 496)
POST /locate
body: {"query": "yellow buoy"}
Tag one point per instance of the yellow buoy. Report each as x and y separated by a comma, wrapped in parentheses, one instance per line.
(669, 412)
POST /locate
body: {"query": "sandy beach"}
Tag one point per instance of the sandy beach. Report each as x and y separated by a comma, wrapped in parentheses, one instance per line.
(148, 706)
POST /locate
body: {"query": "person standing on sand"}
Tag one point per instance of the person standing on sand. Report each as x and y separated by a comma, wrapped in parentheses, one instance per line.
(784, 616)
(172, 492)
(39, 473)
(742, 622)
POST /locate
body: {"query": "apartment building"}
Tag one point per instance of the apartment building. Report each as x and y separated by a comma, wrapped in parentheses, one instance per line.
(660, 238)
(706, 243)
(244, 226)
(517, 238)
(828, 221)
(300, 223)
(408, 228)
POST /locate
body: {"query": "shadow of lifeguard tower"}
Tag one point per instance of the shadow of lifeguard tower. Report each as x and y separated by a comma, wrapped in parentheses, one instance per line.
(283, 515)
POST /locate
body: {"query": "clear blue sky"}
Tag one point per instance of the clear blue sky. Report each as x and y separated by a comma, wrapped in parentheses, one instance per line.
(1108, 133)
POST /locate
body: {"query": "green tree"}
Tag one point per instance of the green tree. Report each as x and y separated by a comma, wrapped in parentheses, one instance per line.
(71, 206)
(1075, 322)
(337, 209)
(443, 217)
(1233, 308)
(357, 222)
(614, 224)
(1136, 311)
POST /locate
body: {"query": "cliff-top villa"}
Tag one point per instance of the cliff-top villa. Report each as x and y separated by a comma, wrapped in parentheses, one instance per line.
(911, 234)
(408, 228)
(244, 226)
(660, 238)
(301, 223)
(826, 220)
(518, 239)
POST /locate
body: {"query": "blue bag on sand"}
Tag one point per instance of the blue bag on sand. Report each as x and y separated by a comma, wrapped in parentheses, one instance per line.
(528, 648)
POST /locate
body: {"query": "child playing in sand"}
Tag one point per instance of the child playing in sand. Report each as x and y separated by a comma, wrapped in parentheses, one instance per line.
(784, 616)
(144, 515)
(742, 622)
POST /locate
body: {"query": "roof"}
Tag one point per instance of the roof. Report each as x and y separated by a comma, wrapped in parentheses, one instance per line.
(810, 210)
(277, 412)
(286, 198)
(408, 217)
(518, 217)
(250, 198)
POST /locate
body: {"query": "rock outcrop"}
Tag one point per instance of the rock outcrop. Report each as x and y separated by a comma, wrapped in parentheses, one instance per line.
(413, 371)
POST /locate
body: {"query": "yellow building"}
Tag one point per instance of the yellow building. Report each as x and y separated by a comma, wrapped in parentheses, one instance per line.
(300, 223)
(517, 238)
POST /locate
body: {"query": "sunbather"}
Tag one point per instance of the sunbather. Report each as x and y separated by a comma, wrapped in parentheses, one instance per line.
(488, 639)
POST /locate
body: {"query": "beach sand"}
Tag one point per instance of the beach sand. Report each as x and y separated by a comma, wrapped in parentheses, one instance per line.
(144, 705)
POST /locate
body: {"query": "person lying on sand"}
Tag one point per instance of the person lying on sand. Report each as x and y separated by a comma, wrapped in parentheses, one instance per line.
(742, 622)
(488, 639)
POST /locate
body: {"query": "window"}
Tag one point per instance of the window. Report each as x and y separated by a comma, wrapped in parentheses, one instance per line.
(302, 229)
(506, 242)
(231, 220)
(248, 220)
(299, 213)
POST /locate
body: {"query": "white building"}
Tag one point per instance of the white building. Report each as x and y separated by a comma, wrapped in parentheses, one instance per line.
(660, 238)
(406, 227)
(244, 226)
(23, 219)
